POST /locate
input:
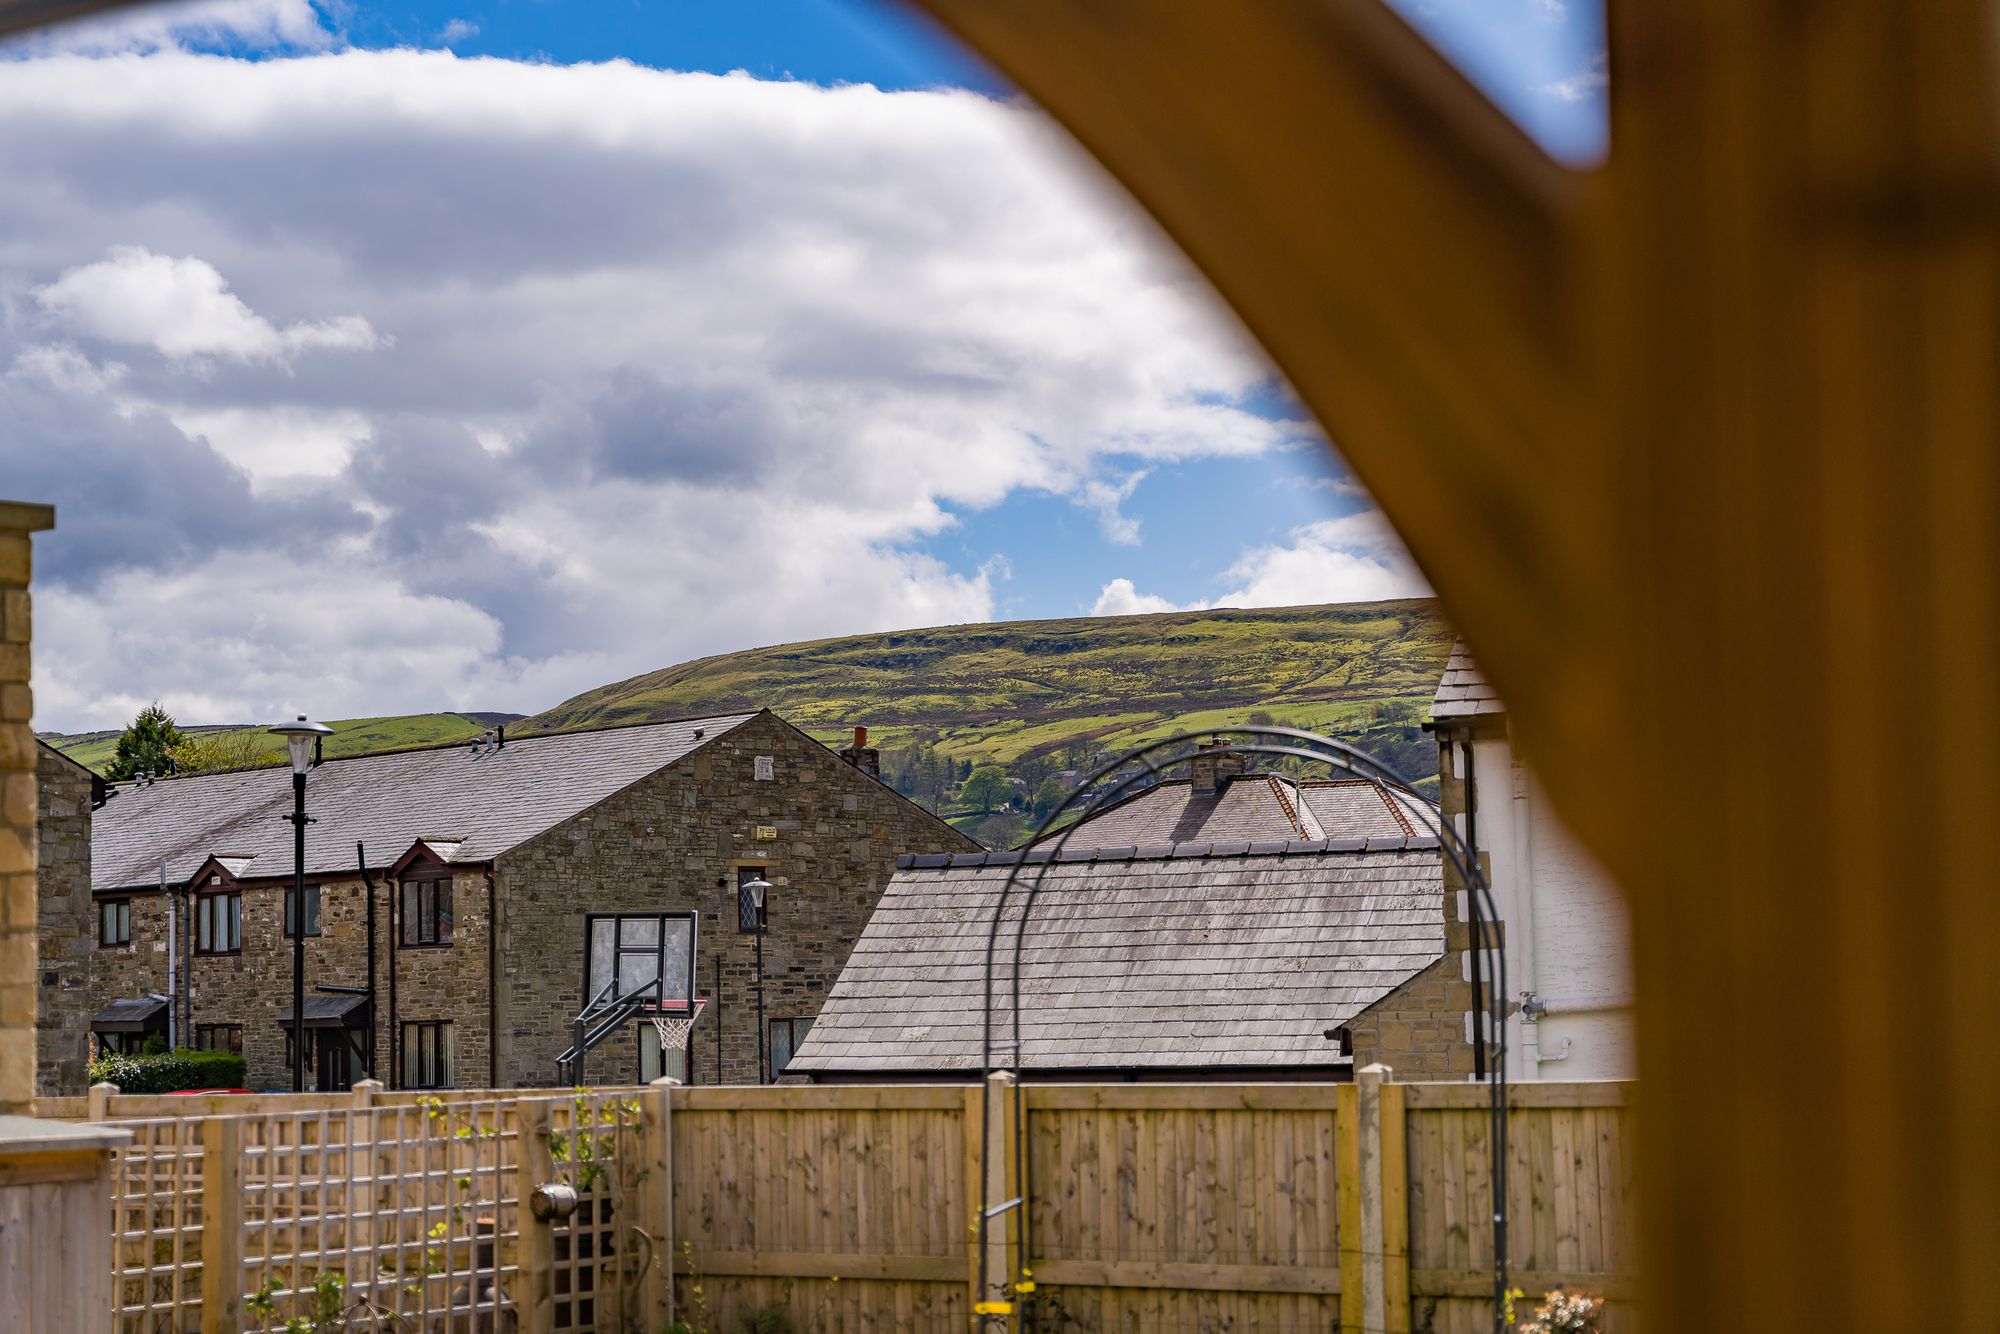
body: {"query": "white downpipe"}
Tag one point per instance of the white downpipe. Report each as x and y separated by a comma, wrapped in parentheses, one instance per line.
(1523, 941)
(1551, 1005)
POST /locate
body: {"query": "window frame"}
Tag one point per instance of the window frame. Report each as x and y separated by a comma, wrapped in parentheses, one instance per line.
(204, 1035)
(125, 907)
(441, 918)
(203, 926)
(314, 917)
(431, 1072)
(793, 1035)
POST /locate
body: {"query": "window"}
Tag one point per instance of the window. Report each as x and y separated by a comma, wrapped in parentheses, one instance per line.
(221, 1037)
(218, 923)
(751, 916)
(427, 1056)
(312, 911)
(786, 1035)
(426, 912)
(120, 1044)
(639, 952)
(114, 922)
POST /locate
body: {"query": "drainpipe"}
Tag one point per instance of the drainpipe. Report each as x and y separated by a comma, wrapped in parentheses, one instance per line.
(368, 888)
(1523, 958)
(173, 960)
(395, 1031)
(493, 975)
(1468, 783)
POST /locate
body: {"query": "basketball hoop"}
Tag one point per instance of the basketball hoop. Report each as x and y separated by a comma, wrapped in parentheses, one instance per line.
(674, 1028)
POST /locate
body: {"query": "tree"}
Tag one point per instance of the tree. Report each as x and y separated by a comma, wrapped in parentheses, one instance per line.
(1047, 797)
(986, 788)
(999, 831)
(145, 746)
(225, 750)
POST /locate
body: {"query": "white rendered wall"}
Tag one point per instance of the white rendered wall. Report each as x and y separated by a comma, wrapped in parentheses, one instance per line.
(1568, 933)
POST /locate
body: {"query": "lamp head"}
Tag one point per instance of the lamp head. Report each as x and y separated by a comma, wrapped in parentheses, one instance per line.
(299, 738)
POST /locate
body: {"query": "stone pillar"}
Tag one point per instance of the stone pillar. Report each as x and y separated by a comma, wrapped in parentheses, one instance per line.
(17, 809)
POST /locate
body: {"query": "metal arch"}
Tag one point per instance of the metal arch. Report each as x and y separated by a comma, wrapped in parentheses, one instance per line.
(1089, 798)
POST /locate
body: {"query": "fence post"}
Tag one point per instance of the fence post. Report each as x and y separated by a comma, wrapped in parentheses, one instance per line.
(364, 1093)
(98, 1102)
(999, 1139)
(535, 1244)
(656, 1196)
(1347, 1193)
(1385, 1219)
(221, 1225)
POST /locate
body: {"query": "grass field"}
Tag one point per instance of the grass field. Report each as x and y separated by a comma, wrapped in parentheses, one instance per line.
(351, 736)
(999, 692)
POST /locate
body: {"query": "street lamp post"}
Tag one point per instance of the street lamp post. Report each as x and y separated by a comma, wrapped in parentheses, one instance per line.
(751, 920)
(301, 738)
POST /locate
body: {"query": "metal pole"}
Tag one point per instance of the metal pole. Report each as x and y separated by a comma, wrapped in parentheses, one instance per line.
(298, 933)
(762, 1064)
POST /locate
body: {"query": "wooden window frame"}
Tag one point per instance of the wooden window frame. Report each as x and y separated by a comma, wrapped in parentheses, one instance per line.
(411, 917)
(201, 911)
(204, 1035)
(315, 915)
(126, 941)
(792, 1033)
(411, 1047)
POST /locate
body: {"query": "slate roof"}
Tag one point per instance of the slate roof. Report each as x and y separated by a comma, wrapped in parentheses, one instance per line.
(1462, 692)
(126, 1016)
(1253, 808)
(494, 800)
(326, 1011)
(1136, 958)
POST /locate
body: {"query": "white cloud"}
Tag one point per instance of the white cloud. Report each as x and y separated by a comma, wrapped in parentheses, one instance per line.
(183, 309)
(458, 30)
(1585, 85)
(1354, 558)
(256, 24)
(1551, 11)
(680, 364)
(1121, 598)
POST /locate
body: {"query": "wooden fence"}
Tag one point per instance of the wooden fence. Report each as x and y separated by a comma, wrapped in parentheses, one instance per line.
(1364, 1208)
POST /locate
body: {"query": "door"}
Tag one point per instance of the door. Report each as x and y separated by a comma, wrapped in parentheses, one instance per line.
(332, 1060)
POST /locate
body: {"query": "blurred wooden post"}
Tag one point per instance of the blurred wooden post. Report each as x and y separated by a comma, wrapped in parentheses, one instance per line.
(656, 1198)
(1002, 1173)
(98, 1102)
(1347, 1200)
(363, 1094)
(534, 1281)
(222, 1225)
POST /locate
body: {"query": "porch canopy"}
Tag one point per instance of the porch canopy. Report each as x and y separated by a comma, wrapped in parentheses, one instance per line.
(335, 1011)
(131, 1016)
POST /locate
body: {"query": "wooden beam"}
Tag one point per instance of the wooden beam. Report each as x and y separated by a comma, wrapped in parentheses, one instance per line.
(1187, 1275)
(824, 1264)
(1400, 248)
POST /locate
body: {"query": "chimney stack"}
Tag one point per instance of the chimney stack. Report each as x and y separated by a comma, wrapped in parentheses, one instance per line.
(862, 755)
(1215, 763)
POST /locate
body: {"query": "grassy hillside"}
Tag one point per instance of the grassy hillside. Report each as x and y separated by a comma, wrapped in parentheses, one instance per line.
(1005, 692)
(351, 736)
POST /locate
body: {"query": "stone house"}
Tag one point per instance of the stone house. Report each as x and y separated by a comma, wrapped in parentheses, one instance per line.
(65, 934)
(502, 872)
(1228, 926)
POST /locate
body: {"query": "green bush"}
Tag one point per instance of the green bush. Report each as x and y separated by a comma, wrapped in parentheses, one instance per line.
(167, 1072)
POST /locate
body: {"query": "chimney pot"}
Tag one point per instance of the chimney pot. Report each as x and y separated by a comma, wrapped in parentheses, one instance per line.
(860, 737)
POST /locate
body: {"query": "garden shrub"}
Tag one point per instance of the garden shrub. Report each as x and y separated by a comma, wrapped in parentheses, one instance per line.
(170, 1071)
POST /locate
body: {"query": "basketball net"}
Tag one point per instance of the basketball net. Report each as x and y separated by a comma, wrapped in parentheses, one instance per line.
(674, 1028)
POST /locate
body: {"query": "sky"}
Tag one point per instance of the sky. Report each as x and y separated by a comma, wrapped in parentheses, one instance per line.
(383, 358)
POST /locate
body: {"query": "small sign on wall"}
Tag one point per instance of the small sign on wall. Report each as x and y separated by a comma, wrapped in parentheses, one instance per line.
(763, 769)
(767, 833)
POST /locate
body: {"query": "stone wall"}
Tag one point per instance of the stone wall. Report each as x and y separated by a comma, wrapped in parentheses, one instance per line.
(672, 843)
(18, 808)
(65, 926)
(254, 988)
(1421, 1029)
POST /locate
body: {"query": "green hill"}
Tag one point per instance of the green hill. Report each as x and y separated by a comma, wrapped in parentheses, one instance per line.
(1022, 691)
(351, 736)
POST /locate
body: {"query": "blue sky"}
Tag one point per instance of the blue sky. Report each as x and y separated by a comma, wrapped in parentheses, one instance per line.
(395, 356)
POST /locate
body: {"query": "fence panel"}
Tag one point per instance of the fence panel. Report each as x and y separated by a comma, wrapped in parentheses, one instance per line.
(846, 1207)
(1189, 1207)
(1569, 1192)
(156, 1213)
